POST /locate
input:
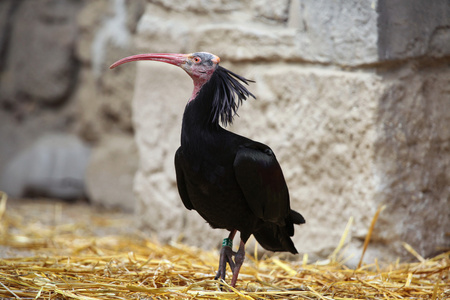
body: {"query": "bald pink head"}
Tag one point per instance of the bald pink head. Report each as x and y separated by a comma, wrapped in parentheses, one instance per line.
(199, 65)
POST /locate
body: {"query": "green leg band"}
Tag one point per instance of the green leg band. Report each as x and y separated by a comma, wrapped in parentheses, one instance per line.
(227, 242)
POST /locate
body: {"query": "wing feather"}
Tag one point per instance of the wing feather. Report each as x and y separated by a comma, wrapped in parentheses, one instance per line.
(261, 179)
(181, 183)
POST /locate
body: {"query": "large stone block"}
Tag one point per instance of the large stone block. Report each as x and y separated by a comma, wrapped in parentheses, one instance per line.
(413, 155)
(322, 126)
(413, 28)
(338, 32)
(239, 42)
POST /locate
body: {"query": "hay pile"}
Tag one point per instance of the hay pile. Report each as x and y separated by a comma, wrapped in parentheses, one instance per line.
(68, 261)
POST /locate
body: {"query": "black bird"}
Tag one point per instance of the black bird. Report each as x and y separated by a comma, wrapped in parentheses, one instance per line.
(231, 181)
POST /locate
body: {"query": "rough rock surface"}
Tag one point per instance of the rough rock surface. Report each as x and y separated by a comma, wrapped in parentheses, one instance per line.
(413, 157)
(54, 60)
(428, 34)
(352, 127)
(54, 166)
(110, 172)
(38, 72)
(324, 142)
(45, 33)
(337, 32)
(104, 99)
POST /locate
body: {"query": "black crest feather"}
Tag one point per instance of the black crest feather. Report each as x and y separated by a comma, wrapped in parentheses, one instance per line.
(228, 95)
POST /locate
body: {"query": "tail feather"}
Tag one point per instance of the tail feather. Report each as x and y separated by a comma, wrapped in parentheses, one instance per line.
(293, 218)
(296, 217)
(274, 237)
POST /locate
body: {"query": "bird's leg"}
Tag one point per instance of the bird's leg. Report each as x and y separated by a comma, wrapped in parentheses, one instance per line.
(238, 260)
(226, 256)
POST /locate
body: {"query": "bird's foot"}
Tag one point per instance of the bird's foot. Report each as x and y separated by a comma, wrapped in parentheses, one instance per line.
(226, 256)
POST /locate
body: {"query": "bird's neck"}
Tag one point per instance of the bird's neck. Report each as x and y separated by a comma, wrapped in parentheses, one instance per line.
(197, 126)
(197, 88)
(200, 131)
(199, 82)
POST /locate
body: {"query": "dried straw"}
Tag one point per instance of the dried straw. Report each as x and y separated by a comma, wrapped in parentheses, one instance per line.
(68, 261)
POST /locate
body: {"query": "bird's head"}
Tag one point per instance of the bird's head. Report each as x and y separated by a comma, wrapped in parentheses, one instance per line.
(226, 89)
(199, 65)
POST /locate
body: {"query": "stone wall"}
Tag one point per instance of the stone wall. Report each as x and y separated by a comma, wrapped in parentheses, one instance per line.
(38, 75)
(55, 86)
(352, 96)
(107, 29)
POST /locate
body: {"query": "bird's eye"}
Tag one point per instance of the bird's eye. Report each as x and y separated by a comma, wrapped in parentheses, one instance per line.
(197, 59)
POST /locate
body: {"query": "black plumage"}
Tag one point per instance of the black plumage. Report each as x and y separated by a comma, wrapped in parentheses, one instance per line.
(225, 87)
(233, 182)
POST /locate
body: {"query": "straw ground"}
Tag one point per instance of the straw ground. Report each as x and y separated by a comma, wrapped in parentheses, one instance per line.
(63, 251)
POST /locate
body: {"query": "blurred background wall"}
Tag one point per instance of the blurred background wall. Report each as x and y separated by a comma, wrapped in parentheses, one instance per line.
(65, 121)
(353, 97)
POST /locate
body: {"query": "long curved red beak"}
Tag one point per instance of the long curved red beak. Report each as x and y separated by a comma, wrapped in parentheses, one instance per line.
(170, 58)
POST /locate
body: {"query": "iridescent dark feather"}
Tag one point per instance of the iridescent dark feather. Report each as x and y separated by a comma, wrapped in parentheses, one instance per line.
(228, 95)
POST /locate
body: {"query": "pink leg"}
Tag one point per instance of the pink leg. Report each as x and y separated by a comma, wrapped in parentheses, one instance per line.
(238, 260)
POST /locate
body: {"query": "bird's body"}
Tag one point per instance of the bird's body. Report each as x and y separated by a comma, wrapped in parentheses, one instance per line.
(205, 185)
(233, 182)
(217, 168)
